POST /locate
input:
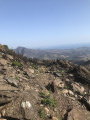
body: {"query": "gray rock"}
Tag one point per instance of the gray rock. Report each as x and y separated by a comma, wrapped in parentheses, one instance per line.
(12, 82)
(26, 104)
(77, 114)
(78, 88)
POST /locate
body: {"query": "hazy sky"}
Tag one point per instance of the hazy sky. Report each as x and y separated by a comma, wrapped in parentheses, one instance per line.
(41, 23)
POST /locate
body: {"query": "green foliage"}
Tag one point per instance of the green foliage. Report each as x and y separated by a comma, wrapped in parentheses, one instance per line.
(17, 78)
(66, 87)
(41, 71)
(16, 63)
(62, 71)
(49, 101)
(59, 88)
(5, 46)
(42, 114)
(34, 66)
(43, 94)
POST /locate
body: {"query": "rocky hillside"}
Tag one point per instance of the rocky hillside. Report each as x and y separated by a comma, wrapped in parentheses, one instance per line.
(85, 64)
(42, 90)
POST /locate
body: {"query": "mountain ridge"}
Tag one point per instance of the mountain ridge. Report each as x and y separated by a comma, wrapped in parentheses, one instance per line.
(74, 55)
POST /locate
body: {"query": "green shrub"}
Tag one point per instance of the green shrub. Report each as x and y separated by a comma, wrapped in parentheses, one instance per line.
(16, 63)
(34, 66)
(48, 101)
(41, 71)
(66, 87)
(17, 78)
(5, 46)
(59, 88)
(42, 114)
(43, 94)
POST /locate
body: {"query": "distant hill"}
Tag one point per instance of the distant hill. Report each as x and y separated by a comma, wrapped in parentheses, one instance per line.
(77, 54)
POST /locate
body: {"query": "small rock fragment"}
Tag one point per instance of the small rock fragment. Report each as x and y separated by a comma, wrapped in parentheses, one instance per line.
(26, 104)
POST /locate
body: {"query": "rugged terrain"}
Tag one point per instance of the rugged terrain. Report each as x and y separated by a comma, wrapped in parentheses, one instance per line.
(42, 89)
(76, 54)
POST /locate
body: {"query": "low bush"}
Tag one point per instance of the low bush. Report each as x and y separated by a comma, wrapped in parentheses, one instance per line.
(42, 94)
(5, 46)
(42, 114)
(16, 63)
(34, 66)
(17, 78)
(49, 101)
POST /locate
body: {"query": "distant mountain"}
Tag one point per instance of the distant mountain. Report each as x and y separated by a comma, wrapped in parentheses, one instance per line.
(77, 54)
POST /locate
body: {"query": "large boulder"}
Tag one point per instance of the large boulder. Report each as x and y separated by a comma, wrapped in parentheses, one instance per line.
(23, 106)
(77, 114)
(78, 88)
(59, 83)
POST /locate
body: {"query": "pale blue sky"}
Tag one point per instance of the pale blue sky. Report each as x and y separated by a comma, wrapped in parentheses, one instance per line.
(44, 23)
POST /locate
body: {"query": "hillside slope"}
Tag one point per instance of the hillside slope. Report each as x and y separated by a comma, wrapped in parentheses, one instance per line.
(74, 55)
(38, 90)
